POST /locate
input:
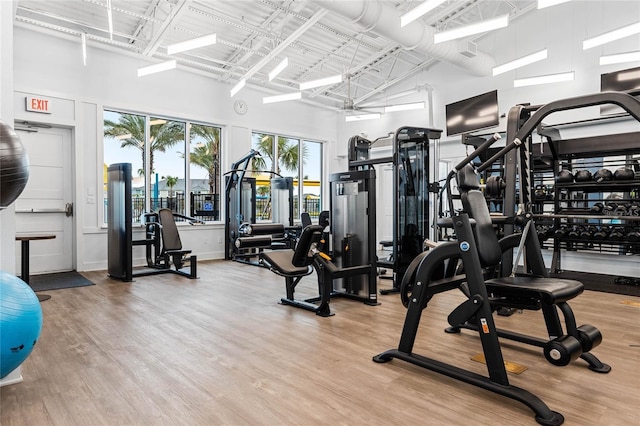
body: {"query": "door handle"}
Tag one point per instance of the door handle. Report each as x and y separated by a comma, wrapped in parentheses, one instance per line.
(68, 209)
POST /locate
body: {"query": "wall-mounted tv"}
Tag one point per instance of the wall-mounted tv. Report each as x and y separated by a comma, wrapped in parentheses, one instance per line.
(468, 115)
(618, 81)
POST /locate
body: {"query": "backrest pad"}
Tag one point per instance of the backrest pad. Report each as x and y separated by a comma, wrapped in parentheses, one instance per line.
(170, 236)
(475, 204)
(310, 235)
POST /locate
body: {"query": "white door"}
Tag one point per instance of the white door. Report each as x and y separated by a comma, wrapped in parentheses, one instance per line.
(45, 205)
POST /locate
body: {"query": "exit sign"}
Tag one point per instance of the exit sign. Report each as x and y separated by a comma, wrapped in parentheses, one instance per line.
(37, 104)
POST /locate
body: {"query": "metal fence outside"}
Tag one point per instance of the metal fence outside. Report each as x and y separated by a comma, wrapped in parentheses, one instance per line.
(207, 206)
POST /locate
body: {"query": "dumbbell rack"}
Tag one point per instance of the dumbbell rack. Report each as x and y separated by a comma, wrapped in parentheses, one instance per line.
(588, 217)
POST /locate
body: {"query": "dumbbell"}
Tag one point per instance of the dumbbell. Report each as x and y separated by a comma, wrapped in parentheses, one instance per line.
(582, 176)
(588, 232)
(616, 233)
(620, 210)
(601, 234)
(560, 232)
(540, 192)
(633, 210)
(603, 175)
(633, 236)
(598, 208)
(573, 233)
(609, 208)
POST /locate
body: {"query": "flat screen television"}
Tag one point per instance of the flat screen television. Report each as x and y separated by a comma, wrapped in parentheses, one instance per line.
(468, 115)
(618, 81)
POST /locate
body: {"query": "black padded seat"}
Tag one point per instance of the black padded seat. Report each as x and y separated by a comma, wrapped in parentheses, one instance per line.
(281, 262)
(549, 291)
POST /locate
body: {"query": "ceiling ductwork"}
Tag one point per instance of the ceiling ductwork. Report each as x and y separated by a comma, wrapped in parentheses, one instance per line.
(418, 36)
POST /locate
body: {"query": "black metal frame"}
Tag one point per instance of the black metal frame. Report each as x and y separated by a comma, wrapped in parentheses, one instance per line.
(401, 141)
(120, 233)
(480, 308)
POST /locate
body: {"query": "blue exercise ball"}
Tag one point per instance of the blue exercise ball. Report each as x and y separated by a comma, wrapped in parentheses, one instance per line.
(20, 322)
(14, 165)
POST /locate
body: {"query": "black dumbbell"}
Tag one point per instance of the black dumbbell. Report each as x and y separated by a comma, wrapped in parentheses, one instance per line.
(597, 208)
(616, 233)
(609, 208)
(582, 176)
(633, 210)
(540, 192)
(601, 234)
(560, 232)
(573, 233)
(620, 210)
(633, 236)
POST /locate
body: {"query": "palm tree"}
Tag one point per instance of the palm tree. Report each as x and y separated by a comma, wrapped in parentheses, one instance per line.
(130, 129)
(171, 182)
(288, 154)
(206, 154)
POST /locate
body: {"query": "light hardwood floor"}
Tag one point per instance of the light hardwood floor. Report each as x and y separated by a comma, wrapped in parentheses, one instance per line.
(165, 350)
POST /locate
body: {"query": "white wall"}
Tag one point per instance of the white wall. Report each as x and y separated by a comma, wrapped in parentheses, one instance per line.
(52, 67)
(7, 216)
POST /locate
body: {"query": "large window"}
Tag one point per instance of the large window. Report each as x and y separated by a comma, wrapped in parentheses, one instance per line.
(175, 163)
(284, 156)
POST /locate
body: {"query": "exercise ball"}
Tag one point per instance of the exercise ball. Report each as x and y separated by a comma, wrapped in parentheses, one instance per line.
(20, 322)
(14, 165)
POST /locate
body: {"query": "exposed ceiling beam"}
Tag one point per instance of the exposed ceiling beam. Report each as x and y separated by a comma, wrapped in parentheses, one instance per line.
(278, 49)
(157, 38)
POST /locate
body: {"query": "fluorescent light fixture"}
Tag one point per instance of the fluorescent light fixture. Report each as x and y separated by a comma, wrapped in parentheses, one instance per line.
(467, 30)
(548, 3)
(83, 38)
(125, 136)
(620, 58)
(194, 43)
(360, 117)
(279, 68)
(235, 89)
(321, 82)
(418, 11)
(544, 79)
(611, 36)
(162, 66)
(157, 121)
(404, 107)
(520, 62)
(110, 19)
(282, 98)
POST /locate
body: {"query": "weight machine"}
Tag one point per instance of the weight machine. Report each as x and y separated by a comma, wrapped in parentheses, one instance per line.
(489, 288)
(162, 241)
(411, 216)
(245, 238)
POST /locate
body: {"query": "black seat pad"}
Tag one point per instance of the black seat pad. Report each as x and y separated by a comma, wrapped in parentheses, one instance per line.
(548, 290)
(281, 261)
